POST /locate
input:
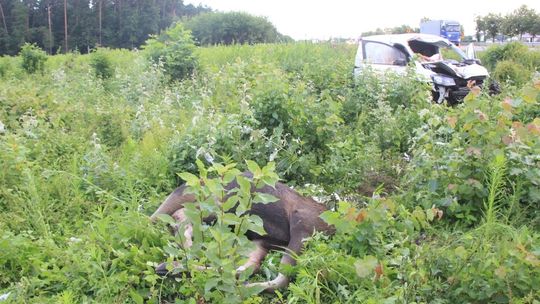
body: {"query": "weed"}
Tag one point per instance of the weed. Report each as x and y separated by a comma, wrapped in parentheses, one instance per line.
(33, 58)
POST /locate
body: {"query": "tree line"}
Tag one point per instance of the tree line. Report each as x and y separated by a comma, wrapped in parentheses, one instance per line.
(233, 28)
(520, 21)
(66, 25)
(402, 29)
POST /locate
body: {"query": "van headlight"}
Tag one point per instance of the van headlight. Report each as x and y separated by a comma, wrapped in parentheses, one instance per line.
(443, 80)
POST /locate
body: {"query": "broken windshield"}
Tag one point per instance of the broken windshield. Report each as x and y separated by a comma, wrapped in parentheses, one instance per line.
(430, 50)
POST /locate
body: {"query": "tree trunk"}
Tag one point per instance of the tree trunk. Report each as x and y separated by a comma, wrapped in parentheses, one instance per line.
(50, 28)
(100, 6)
(3, 18)
(27, 22)
(65, 28)
(119, 15)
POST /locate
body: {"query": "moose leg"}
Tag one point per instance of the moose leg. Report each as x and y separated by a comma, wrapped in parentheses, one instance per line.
(293, 249)
(173, 206)
(180, 217)
(255, 258)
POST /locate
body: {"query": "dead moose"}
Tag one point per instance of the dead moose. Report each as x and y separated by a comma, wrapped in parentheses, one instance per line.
(287, 222)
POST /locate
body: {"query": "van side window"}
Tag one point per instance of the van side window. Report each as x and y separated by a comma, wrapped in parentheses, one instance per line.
(379, 53)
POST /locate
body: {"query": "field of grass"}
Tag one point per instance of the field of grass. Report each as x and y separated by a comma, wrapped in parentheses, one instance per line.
(431, 204)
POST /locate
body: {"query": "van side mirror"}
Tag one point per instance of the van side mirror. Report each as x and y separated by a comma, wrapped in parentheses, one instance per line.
(470, 51)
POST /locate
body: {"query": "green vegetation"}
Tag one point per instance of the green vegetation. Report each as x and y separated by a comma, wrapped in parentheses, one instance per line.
(90, 23)
(402, 29)
(512, 62)
(522, 20)
(432, 204)
(121, 24)
(4, 66)
(101, 64)
(233, 28)
(174, 49)
(33, 58)
(223, 246)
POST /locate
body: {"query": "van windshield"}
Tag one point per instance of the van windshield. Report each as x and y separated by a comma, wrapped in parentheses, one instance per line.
(452, 28)
(434, 53)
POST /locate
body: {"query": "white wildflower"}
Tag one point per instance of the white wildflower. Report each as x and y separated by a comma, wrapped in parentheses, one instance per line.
(96, 141)
(273, 155)
(4, 296)
(75, 240)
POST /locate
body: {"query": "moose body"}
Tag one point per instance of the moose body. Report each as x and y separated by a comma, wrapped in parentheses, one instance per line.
(287, 222)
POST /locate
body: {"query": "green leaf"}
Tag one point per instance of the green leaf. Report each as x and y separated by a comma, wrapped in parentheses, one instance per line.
(171, 251)
(269, 168)
(530, 94)
(253, 289)
(230, 203)
(230, 176)
(430, 215)
(137, 298)
(254, 168)
(210, 284)
(264, 198)
(216, 234)
(461, 252)
(341, 224)
(231, 219)
(270, 180)
(191, 180)
(208, 206)
(192, 213)
(343, 207)
(222, 170)
(215, 187)
(245, 185)
(243, 204)
(330, 217)
(166, 219)
(202, 170)
(256, 224)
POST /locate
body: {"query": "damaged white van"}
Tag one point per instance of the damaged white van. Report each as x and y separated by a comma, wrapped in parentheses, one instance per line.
(451, 78)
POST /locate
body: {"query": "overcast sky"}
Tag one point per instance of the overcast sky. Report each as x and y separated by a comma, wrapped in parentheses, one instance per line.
(307, 19)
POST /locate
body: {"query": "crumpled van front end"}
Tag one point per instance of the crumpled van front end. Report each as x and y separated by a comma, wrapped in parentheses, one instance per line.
(451, 78)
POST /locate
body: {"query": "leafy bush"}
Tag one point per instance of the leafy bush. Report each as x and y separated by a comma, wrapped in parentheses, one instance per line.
(4, 66)
(174, 48)
(222, 246)
(512, 62)
(452, 150)
(33, 58)
(383, 253)
(101, 64)
(512, 72)
(514, 51)
(231, 28)
(363, 264)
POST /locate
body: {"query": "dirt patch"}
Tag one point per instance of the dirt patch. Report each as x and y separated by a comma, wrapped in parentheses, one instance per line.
(374, 180)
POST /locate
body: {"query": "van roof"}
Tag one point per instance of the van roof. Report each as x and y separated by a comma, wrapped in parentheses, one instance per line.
(404, 38)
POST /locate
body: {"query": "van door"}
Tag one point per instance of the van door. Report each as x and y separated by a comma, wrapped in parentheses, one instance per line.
(380, 57)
